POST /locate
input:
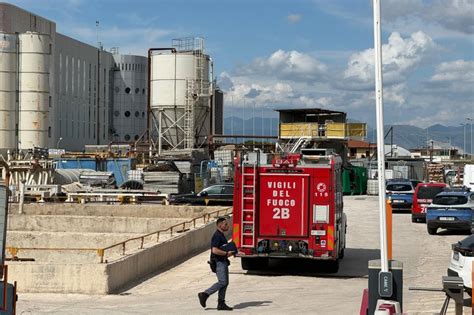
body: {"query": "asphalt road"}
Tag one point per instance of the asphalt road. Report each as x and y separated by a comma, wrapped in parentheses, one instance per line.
(287, 287)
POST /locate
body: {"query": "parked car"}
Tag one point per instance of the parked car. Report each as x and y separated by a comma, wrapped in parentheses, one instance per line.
(423, 196)
(462, 257)
(451, 209)
(212, 195)
(400, 192)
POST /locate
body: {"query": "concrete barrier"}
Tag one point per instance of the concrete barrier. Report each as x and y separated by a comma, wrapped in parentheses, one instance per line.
(112, 276)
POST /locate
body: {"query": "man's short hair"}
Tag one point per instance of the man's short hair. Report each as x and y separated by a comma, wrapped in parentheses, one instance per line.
(221, 219)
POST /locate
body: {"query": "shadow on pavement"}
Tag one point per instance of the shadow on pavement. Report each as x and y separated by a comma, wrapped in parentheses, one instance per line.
(251, 304)
(353, 265)
(453, 232)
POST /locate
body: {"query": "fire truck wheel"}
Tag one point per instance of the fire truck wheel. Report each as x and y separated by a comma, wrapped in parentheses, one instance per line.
(341, 254)
(254, 263)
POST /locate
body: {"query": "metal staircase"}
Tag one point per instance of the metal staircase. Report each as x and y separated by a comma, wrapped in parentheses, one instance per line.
(189, 114)
(248, 202)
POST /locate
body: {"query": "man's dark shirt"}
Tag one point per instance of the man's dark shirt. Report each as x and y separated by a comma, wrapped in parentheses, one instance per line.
(218, 239)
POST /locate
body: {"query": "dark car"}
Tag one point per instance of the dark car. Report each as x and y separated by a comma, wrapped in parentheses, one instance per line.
(222, 194)
(400, 192)
(452, 210)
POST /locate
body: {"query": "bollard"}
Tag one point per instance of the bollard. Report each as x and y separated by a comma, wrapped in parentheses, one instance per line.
(388, 209)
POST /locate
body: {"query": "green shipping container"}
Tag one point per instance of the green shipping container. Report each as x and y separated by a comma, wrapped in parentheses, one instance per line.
(354, 181)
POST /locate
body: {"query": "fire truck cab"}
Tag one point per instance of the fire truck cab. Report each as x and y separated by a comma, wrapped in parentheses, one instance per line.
(289, 207)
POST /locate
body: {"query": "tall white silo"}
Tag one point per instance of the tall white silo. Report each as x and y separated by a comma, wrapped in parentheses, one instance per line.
(8, 79)
(180, 97)
(34, 71)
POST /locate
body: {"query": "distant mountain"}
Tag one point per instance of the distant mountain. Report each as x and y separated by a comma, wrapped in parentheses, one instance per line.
(406, 136)
(411, 137)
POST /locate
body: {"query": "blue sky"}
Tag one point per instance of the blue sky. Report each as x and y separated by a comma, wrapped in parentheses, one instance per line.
(300, 53)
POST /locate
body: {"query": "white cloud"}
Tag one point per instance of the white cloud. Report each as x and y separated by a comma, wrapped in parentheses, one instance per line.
(287, 65)
(294, 18)
(452, 78)
(454, 71)
(438, 18)
(130, 40)
(400, 57)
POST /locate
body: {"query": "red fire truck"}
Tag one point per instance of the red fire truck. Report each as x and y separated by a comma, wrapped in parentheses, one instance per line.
(290, 207)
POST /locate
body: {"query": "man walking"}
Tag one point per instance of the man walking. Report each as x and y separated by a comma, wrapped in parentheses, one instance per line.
(222, 267)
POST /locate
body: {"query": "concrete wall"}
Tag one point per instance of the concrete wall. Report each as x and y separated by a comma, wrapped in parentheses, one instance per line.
(109, 277)
(142, 210)
(89, 224)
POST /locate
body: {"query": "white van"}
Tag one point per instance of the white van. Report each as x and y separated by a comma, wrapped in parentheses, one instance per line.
(468, 177)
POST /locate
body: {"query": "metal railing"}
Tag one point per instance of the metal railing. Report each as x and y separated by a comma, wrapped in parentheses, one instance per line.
(206, 217)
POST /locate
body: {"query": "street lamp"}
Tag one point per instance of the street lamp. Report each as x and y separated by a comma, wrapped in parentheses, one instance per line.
(464, 139)
(470, 121)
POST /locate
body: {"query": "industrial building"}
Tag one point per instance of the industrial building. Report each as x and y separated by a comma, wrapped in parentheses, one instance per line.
(58, 92)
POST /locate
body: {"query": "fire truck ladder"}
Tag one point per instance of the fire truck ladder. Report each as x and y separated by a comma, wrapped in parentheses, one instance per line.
(249, 181)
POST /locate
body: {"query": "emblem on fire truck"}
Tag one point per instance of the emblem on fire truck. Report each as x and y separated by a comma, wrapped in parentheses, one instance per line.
(321, 187)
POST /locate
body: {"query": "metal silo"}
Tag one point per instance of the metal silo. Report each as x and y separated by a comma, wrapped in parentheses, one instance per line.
(34, 70)
(179, 94)
(8, 81)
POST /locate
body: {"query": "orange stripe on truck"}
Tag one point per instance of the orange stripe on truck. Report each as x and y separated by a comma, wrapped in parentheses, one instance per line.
(330, 238)
(236, 234)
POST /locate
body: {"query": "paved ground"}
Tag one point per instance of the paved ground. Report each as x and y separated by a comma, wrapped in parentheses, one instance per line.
(286, 288)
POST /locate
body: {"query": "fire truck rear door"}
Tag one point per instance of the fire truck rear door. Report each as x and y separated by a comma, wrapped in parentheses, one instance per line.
(283, 209)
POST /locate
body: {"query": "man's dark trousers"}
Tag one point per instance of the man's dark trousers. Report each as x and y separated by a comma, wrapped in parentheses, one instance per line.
(222, 273)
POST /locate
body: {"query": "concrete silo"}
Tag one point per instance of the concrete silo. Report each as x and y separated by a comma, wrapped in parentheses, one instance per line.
(8, 87)
(129, 98)
(34, 90)
(179, 94)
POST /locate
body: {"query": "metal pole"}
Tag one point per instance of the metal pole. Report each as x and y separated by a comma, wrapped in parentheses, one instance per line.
(159, 132)
(470, 121)
(380, 135)
(464, 139)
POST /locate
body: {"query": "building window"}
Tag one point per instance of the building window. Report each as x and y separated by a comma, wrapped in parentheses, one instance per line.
(143, 114)
(137, 90)
(143, 91)
(127, 137)
(136, 137)
(127, 90)
(137, 114)
(127, 114)
(116, 113)
(49, 132)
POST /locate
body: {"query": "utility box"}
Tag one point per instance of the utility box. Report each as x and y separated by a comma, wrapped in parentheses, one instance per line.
(396, 268)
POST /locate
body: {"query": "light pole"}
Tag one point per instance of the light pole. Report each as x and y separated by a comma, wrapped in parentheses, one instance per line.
(464, 139)
(470, 121)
